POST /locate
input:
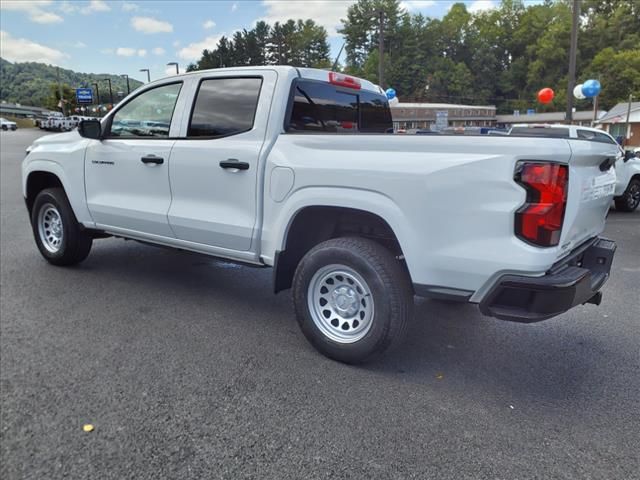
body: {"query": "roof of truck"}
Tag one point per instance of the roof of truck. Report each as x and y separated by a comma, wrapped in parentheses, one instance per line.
(309, 73)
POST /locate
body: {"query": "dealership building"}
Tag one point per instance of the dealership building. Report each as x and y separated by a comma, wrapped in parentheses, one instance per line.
(407, 116)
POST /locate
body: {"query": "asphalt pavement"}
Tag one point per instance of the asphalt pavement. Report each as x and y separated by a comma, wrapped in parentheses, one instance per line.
(189, 367)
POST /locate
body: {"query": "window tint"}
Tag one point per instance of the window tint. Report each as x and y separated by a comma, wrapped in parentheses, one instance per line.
(540, 132)
(322, 107)
(595, 136)
(147, 115)
(224, 106)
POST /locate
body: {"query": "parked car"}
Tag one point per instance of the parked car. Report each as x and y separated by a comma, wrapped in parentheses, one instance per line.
(292, 168)
(627, 192)
(7, 124)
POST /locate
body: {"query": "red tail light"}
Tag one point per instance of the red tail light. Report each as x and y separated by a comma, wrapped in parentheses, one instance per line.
(539, 220)
(343, 80)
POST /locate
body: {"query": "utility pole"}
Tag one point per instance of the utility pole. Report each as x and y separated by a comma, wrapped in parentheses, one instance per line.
(572, 61)
(627, 133)
(60, 90)
(381, 49)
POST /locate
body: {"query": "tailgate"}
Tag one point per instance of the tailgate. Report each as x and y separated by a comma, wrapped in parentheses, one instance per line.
(590, 192)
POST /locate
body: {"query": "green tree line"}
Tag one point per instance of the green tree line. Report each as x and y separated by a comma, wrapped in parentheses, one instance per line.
(36, 84)
(302, 43)
(501, 56)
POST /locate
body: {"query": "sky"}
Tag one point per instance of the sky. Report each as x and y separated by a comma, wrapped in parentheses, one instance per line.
(122, 36)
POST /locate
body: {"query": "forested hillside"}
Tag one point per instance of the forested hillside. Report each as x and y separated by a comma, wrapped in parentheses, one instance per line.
(31, 83)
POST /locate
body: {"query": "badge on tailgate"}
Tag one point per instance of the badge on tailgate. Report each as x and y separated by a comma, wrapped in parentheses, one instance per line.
(598, 186)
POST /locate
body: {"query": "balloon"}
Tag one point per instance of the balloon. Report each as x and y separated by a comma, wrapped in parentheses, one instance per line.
(591, 88)
(545, 95)
(577, 92)
(394, 101)
(391, 93)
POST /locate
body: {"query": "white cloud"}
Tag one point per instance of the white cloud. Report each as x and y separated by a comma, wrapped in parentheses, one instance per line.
(67, 7)
(193, 51)
(234, 7)
(410, 5)
(130, 7)
(176, 43)
(94, 7)
(324, 12)
(36, 10)
(23, 50)
(151, 25)
(158, 51)
(125, 51)
(80, 44)
(480, 5)
(208, 24)
(142, 52)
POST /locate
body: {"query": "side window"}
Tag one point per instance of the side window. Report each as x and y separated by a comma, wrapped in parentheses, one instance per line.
(595, 136)
(320, 107)
(224, 106)
(147, 115)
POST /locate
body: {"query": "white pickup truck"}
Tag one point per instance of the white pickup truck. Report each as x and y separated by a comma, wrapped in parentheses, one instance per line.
(295, 169)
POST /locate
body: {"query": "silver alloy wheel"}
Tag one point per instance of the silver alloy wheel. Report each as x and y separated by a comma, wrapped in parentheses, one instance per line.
(50, 228)
(340, 303)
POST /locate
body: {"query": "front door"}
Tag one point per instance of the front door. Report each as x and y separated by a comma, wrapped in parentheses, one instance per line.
(214, 169)
(127, 173)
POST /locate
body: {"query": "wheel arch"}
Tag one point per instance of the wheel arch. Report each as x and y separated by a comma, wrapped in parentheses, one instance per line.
(312, 224)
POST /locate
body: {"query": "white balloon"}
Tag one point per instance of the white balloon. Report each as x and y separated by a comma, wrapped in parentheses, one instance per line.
(577, 92)
(394, 101)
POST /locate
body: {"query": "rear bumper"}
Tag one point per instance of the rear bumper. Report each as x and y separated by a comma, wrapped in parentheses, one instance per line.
(575, 280)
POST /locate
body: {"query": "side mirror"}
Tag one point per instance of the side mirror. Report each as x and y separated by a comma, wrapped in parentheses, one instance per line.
(90, 129)
(628, 155)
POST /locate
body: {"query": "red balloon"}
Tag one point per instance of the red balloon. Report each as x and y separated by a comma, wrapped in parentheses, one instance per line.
(545, 95)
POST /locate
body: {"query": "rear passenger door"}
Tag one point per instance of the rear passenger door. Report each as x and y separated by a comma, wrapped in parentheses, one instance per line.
(214, 166)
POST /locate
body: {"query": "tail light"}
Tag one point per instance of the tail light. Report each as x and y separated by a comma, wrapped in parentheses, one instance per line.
(539, 220)
(343, 80)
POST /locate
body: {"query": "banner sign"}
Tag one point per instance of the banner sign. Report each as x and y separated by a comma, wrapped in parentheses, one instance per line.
(84, 95)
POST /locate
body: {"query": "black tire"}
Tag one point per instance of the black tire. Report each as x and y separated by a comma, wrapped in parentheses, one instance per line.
(5, 128)
(630, 199)
(389, 286)
(74, 244)
(13, 128)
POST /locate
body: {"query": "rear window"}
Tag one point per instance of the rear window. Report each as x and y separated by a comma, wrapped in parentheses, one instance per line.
(540, 132)
(325, 108)
(595, 136)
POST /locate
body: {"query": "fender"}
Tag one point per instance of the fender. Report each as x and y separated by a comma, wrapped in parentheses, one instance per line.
(279, 217)
(76, 195)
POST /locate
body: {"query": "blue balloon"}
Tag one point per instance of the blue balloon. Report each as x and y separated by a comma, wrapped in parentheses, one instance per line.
(391, 93)
(591, 88)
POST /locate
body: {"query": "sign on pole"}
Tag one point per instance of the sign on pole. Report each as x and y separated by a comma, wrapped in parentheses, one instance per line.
(84, 95)
(442, 120)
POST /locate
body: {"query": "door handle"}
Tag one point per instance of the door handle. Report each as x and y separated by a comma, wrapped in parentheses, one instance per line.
(152, 159)
(233, 163)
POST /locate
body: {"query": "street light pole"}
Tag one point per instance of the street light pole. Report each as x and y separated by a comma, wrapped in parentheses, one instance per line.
(176, 64)
(572, 61)
(148, 74)
(127, 77)
(110, 91)
(97, 93)
(627, 132)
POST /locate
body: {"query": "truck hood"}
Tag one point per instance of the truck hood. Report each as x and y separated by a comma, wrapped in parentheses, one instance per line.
(66, 137)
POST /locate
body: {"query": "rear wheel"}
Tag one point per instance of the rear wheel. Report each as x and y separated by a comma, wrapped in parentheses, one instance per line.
(353, 299)
(59, 237)
(630, 199)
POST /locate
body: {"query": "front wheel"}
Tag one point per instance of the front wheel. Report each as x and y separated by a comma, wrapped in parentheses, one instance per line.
(59, 237)
(630, 199)
(353, 299)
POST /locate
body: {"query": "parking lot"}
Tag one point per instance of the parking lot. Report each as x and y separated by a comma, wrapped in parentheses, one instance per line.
(189, 367)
